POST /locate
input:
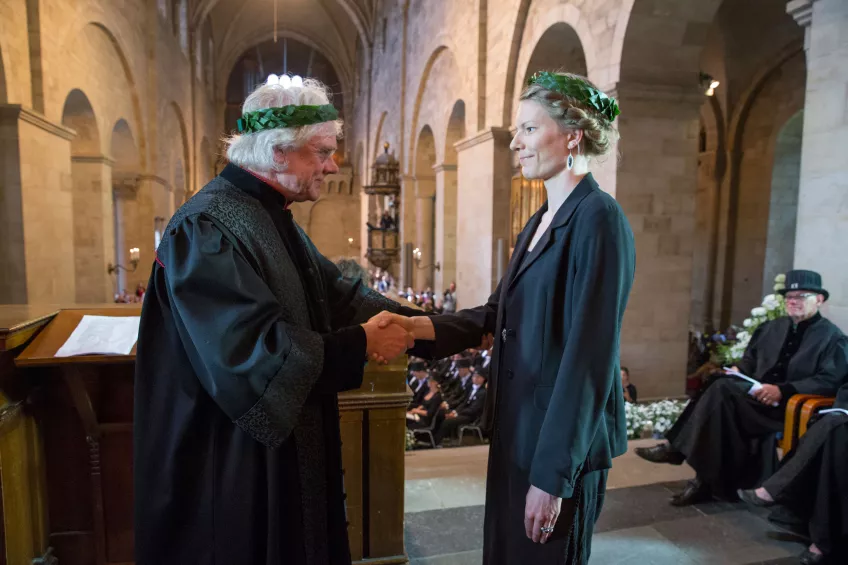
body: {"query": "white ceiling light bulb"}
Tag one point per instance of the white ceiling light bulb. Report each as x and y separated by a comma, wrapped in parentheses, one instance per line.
(714, 84)
(297, 81)
(285, 81)
(273, 79)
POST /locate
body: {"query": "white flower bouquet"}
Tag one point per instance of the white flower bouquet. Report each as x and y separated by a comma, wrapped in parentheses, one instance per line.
(646, 420)
(773, 307)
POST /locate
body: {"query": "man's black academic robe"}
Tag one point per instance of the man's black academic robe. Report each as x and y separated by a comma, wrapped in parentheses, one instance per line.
(812, 481)
(247, 334)
(727, 436)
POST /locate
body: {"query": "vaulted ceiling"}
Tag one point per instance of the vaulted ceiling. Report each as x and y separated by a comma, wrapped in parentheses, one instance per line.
(333, 27)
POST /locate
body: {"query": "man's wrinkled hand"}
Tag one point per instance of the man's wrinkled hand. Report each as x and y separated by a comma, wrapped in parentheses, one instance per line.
(386, 343)
(541, 510)
(384, 319)
(768, 394)
(487, 343)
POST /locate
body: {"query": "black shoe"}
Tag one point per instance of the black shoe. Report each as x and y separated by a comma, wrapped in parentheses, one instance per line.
(694, 493)
(750, 497)
(810, 558)
(660, 453)
(787, 521)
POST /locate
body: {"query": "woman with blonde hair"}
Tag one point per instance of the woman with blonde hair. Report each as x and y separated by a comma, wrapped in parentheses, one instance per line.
(555, 407)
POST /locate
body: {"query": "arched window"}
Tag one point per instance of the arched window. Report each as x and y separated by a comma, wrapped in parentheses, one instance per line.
(182, 29)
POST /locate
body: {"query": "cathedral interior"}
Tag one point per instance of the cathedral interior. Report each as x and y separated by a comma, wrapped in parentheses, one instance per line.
(731, 168)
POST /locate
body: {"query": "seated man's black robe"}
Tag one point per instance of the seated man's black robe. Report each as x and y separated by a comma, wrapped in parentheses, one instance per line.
(247, 335)
(812, 481)
(727, 436)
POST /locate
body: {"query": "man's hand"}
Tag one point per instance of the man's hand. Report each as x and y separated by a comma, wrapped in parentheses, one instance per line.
(450, 415)
(541, 510)
(420, 326)
(386, 343)
(487, 343)
(769, 394)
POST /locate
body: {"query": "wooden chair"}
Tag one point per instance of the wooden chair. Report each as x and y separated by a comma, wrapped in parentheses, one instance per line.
(799, 410)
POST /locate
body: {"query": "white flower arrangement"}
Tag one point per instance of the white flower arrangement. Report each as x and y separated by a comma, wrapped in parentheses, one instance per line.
(652, 419)
(772, 307)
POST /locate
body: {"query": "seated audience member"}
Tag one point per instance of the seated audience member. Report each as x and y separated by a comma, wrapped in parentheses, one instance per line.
(812, 483)
(419, 382)
(630, 394)
(457, 389)
(728, 434)
(422, 415)
(466, 413)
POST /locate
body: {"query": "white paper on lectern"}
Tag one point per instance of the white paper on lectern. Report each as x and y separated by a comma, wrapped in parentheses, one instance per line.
(102, 335)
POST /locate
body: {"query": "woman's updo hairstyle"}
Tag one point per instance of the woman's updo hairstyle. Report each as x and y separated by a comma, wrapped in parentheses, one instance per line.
(575, 103)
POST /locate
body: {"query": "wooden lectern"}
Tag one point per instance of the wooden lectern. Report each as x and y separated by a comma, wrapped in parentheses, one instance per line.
(66, 469)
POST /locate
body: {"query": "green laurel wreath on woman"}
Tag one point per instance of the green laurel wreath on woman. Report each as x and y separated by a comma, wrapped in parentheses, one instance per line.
(578, 90)
(286, 117)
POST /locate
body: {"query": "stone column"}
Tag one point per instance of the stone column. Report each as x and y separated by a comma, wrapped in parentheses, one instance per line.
(94, 231)
(425, 189)
(483, 186)
(137, 214)
(445, 225)
(36, 212)
(822, 225)
(406, 217)
(656, 186)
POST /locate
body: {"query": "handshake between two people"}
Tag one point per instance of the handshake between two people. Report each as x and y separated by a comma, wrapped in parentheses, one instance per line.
(389, 336)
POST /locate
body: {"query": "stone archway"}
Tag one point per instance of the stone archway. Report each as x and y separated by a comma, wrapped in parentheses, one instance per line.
(783, 204)
(423, 208)
(3, 95)
(127, 204)
(446, 200)
(558, 49)
(205, 164)
(93, 234)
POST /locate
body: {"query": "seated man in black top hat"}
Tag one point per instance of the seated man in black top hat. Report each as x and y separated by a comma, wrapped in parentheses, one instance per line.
(728, 435)
(455, 389)
(812, 484)
(418, 382)
(466, 413)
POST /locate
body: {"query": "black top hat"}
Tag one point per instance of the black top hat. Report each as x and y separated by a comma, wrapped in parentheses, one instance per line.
(804, 280)
(463, 364)
(417, 367)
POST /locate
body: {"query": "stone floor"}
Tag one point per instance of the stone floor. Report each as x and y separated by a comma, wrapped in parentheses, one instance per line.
(445, 492)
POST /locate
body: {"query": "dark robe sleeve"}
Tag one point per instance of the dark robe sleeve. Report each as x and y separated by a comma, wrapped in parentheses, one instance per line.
(351, 301)
(603, 274)
(831, 372)
(258, 368)
(748, 364)
(460, 331)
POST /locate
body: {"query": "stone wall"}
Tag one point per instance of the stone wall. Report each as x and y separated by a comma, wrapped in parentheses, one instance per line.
(127, 62)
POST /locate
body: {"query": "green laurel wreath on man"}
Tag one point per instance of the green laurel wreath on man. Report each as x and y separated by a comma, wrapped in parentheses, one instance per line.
(579, 90)
(286, 117)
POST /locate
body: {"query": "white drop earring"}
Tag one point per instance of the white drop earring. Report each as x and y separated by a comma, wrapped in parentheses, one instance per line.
(569, 163)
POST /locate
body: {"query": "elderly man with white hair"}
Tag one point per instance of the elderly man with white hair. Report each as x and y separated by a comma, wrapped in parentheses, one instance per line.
(247, 335)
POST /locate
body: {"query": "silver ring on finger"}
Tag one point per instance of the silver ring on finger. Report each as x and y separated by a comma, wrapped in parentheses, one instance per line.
(546, 529)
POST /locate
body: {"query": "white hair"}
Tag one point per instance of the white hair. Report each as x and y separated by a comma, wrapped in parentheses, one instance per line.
(256, 150)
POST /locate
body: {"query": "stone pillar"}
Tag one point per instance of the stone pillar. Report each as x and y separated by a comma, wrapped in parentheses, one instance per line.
(445, 225)
(425, 190)
(36, 215)
(822, 225)
(483, 187)
(406, 217)
(94, 237)
(136, 219)
(656, 186)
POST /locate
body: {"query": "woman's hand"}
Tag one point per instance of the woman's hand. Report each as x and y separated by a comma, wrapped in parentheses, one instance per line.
(541, 510)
